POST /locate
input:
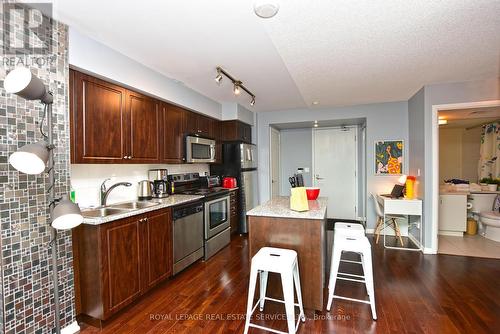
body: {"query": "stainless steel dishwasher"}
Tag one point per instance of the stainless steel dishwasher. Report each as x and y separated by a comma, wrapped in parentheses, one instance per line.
(188, 235)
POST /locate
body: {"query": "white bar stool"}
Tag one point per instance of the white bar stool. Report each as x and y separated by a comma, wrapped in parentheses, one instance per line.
(357, 244)
(284, 262)
(349, 229)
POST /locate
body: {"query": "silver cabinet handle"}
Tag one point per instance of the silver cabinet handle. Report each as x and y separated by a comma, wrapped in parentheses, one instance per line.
(319, 178)
(125, 157)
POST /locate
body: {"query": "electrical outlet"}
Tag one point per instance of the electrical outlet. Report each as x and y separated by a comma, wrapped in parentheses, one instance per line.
(306, 170)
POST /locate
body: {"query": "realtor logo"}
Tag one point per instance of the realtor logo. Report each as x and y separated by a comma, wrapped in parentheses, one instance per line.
(27, 28)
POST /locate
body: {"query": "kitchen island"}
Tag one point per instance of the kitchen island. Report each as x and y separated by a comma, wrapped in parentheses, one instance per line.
(274, 224)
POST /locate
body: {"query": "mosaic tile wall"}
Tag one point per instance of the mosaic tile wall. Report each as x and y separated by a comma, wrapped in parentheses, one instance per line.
(26, 289)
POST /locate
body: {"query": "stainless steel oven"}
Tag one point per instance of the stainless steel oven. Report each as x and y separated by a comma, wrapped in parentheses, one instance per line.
(217, 225)
(200, 150)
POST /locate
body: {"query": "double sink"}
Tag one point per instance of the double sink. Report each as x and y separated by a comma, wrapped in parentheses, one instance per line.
(116, 209)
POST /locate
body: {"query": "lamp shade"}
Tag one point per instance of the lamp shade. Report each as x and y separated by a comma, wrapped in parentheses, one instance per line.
(31, 158)
(66, 215)
(23, 83)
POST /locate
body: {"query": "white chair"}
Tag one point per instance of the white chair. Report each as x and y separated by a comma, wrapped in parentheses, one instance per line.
(284, 262)
(381, 224)
(357, 244)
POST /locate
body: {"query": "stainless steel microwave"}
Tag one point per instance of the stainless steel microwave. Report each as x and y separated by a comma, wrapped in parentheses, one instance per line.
(200, 150)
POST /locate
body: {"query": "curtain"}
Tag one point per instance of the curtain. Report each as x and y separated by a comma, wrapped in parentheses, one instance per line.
(489, 166)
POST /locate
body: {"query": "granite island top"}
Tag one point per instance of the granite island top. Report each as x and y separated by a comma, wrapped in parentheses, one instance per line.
(279, 207)
(169, 201)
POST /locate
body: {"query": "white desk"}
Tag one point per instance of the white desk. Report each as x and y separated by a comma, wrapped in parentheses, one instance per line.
(406, 207)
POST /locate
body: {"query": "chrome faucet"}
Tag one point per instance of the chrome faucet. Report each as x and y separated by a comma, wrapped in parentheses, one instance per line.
(105, 191)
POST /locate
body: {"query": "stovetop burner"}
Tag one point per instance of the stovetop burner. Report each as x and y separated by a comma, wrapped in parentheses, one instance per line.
(205, 191)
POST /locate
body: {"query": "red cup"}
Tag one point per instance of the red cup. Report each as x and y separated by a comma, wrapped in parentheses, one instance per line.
(312, 193)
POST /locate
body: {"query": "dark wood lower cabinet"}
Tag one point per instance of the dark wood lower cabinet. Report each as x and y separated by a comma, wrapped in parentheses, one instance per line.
(234, 210)
(117, 262)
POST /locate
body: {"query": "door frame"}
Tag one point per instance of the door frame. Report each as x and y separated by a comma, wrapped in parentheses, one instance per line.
(271, 161)
(357, 174)
(433, 249)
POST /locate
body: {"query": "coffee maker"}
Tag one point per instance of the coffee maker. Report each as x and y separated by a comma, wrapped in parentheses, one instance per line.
(160, 183)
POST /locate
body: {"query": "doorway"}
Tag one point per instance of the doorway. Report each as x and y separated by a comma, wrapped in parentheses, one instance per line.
(335, 169)
(456, 140)
(275, 163)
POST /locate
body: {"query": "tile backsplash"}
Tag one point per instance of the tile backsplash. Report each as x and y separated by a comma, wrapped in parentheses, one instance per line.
(86, 180)
(26, 292)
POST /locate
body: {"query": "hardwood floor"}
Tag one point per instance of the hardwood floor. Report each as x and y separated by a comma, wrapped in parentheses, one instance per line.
(415, 293)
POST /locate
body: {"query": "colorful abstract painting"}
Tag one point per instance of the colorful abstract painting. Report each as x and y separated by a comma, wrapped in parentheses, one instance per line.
(389, 157)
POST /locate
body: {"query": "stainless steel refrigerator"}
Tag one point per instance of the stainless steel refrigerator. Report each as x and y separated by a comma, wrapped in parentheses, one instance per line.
(240, 161)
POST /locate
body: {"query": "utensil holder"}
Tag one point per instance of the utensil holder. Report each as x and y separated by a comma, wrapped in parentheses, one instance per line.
(298, 199)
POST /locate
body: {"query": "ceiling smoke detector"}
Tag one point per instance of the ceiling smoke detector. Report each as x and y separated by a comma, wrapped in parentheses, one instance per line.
(266, 9)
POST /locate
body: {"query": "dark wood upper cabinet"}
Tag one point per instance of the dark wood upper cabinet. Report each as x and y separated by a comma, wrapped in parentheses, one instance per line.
(173, 136)
(204, 126)
(111, 124)
(198, 125)
(144, 128)
(98, 119)
(236, 131)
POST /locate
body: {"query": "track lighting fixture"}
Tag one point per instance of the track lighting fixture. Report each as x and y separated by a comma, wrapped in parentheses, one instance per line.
(237, 84)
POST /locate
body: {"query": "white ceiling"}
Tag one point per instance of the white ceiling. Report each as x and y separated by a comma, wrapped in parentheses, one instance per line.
(337, 52)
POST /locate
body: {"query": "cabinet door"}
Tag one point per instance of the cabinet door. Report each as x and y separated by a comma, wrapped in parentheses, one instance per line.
(204, 126)
(158, 242)
(144, 125)
(191, 123)
(98, 120)
(453, 213)
(174, 128)
(233, 195)
(246, 133)
(122, 264)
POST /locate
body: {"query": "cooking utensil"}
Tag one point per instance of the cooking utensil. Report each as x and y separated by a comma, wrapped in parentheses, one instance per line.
(300, 180)
(293, 181)
(145, 190)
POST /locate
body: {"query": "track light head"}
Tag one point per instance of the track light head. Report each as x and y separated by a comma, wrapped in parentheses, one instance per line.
(218, 78)
(236, 89)
(252, 103)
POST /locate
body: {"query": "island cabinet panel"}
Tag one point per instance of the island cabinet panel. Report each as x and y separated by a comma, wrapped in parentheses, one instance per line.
(117, 262)
(98, 120)
(173, 135)
(144, 128)
(307, 238)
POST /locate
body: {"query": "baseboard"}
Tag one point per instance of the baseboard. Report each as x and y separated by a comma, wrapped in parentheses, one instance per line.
(451, 233)
(71, 328)
(429, 250)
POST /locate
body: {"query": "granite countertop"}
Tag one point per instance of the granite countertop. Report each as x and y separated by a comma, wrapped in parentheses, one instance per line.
(280, 207)
(172, 200)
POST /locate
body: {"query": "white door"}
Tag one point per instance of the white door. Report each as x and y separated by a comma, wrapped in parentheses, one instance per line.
(275, 162)
(335, 162)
